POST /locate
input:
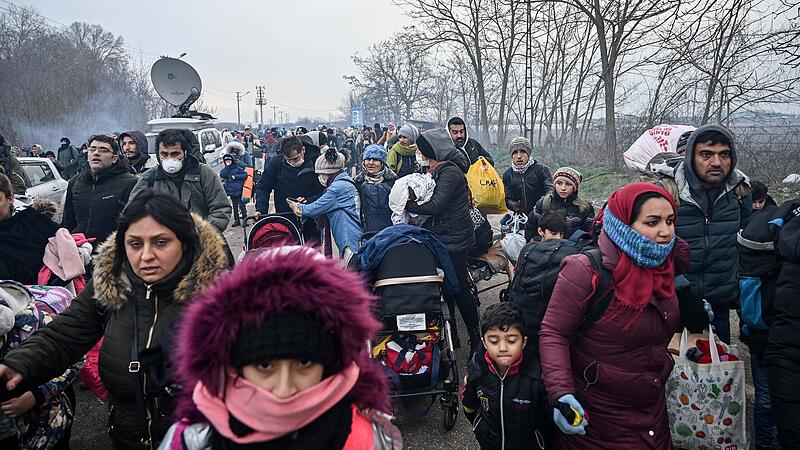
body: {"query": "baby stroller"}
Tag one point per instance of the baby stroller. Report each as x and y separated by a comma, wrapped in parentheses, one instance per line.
(497, 259)
(272, 230)
(415, 346)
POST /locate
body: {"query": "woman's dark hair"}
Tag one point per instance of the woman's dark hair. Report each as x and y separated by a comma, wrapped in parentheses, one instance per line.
(553, 221)
(640, 200)
(5, 184)
(106, 140)
(502, 316)
(164, 209)
(331, 155)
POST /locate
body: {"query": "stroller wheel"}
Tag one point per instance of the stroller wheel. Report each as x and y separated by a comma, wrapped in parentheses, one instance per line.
(450, 416)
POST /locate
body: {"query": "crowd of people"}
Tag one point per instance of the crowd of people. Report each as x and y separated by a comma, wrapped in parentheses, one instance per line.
(199, 351)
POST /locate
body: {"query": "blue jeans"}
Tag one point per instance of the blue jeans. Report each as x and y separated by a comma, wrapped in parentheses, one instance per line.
(765, 430)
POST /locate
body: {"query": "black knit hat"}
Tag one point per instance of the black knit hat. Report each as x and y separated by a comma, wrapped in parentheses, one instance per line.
(286, 335)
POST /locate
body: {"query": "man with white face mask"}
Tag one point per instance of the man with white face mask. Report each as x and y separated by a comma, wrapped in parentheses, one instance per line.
(291, 174)
(180, 174)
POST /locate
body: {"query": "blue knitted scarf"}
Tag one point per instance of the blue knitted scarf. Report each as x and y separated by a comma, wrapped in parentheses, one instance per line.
(642, 251)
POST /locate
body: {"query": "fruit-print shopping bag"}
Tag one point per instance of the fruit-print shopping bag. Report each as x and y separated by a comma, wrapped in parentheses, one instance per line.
(706, 402)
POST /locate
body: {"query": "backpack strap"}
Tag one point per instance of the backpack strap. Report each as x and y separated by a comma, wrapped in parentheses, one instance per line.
(602, 294)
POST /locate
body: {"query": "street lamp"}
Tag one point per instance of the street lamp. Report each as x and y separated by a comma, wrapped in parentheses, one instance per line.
(239, 97)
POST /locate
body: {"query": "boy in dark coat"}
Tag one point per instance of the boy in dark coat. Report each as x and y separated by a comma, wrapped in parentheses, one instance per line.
(565, 199)
(503, 394)
(233, 178)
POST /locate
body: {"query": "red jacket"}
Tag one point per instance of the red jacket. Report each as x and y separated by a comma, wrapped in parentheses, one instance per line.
(617, 375)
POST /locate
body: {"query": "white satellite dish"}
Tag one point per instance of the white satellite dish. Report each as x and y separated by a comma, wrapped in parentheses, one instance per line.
(176, 82)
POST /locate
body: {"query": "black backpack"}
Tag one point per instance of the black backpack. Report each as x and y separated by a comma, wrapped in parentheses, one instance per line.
(536, 274)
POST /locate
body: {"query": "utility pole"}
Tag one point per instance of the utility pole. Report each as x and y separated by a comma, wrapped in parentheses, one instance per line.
(261, 101)
(239, 97)
(274, 121)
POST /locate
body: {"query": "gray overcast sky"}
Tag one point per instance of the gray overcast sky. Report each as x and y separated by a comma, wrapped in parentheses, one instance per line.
(298, 49)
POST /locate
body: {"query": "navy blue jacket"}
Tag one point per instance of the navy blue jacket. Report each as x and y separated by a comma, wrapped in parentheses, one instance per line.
(233, 177)
(375, 212)
(287, 181)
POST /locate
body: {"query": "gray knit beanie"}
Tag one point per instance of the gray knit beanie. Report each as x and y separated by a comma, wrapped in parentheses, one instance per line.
(410, 131)
(520, 143)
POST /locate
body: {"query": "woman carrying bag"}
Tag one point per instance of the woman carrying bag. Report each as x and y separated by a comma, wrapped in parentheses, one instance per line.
(614, 373)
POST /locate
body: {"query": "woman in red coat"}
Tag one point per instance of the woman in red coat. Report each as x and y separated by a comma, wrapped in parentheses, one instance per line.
(614, 373)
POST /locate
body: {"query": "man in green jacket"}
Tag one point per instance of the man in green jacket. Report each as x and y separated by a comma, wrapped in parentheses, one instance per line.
(68, 156)
(714, 201)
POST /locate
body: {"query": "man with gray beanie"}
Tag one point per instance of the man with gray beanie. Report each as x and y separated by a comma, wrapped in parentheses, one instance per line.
(98, 194)
(526, 181)
(714, 201)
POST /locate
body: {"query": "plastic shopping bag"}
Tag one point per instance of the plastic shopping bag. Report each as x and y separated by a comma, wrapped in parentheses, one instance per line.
(706, 402)
(488, 192)
(659, 139)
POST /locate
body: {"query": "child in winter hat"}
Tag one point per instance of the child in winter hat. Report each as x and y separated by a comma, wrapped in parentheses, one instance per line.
(564, 200)
(283, 362)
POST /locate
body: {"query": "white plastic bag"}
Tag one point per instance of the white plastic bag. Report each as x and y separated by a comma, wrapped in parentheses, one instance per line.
(663, 138)
(512, 244)
(706, 402)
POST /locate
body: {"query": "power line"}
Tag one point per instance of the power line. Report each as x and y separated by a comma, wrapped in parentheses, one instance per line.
(65, 27)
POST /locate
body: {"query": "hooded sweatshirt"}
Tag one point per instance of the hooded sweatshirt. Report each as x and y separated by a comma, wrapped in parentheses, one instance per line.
(709, 221)
(137, 166)
(472, 149)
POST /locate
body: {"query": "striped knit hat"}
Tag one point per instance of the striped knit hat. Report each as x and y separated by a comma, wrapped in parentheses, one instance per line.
(571, 175)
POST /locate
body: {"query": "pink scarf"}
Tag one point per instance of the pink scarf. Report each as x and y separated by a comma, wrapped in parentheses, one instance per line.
(270, 416)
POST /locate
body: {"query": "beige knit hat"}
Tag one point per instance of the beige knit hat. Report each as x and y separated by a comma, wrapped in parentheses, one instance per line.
(329, 162)
(571, 175)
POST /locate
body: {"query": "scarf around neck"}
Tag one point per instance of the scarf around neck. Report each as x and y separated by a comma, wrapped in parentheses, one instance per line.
(374, 179)
(523, 168)
(645, 269)
(268, 416)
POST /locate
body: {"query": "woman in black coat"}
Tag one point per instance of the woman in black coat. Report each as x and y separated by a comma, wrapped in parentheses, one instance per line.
(449, 211)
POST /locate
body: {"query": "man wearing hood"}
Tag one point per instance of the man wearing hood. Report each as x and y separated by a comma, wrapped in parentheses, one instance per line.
(69, 157)
(98, 194)
(134, 146)
(471, 148)
(714, 202)
(291, 175)
(11, 167)
(449, 211)
(180, 174)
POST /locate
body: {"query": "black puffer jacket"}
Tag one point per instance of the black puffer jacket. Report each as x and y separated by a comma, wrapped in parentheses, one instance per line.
(782, 356)
(450, 204)
(509, 412)
(105, 309)
(524, 190)
(287, 181)
(94, 202)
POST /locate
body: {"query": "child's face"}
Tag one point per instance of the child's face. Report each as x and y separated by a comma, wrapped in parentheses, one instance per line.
(228, 162)
(547, 234)
(504, 347)
(284, 377)
(564, 188)
(759, 204)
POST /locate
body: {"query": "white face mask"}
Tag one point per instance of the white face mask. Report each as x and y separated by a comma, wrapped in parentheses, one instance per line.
(171, 166)
(297, 163)
(323, 179)
(421, 160)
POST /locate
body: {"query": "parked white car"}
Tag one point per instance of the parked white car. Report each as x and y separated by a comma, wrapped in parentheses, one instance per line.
(45, 181)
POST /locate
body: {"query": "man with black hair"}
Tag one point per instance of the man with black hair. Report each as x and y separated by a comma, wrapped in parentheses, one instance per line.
(471, 148)
(97, 195)
(714, 203)
(181, 174)
(291, 175)
(134, 146)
